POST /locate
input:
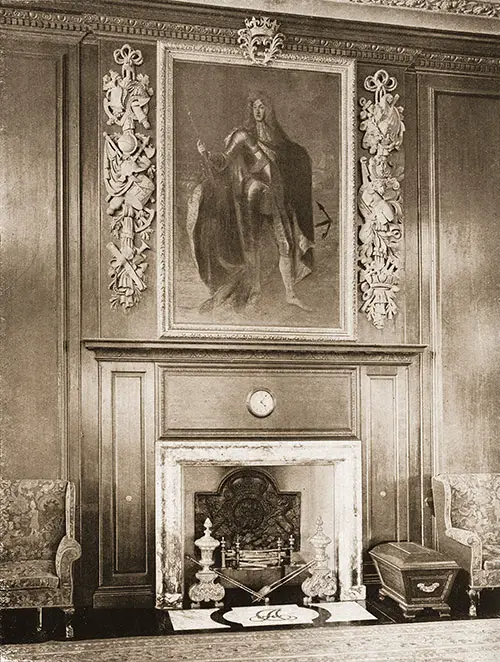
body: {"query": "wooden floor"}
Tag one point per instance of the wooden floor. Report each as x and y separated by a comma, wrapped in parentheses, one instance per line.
(18, 626)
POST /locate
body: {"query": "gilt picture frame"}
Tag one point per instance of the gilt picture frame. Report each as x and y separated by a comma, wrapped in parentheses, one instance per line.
(256, 195)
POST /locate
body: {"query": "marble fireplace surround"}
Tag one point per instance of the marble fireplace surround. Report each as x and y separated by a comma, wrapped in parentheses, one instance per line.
(173, 456)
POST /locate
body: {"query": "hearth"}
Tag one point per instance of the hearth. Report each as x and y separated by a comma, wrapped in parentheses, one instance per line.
(238, 507)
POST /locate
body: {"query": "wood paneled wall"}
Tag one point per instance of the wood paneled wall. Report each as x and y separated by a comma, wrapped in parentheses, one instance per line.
(386, 470)
(38, 202)
(460, 141)
(94, 413)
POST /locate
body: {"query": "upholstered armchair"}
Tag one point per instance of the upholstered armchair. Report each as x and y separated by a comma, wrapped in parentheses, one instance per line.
(467, 510)
(38, 546)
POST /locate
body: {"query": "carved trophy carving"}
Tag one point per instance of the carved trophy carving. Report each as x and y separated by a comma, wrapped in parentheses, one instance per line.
(260, 39)
(128, 177)
(379, 200)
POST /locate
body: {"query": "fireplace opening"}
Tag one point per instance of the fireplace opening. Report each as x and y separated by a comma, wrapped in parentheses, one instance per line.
(262, 518)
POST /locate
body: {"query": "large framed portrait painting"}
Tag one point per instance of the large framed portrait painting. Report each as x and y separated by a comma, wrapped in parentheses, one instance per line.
(256, 203)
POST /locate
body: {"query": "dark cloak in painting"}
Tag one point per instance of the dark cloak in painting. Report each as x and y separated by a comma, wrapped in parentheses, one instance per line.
(260, 185)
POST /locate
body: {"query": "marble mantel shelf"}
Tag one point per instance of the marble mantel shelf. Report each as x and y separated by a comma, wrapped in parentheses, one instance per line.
(258, 351)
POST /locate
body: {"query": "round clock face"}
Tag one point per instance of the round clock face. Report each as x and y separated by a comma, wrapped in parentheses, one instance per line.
(261, 402)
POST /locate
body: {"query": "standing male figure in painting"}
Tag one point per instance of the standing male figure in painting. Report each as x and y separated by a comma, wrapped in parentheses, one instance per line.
(260, 185)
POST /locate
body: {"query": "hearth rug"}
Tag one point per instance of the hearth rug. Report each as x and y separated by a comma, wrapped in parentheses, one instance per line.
(270, 615)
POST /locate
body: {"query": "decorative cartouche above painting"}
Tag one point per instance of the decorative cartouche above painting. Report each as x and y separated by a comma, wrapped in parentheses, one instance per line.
(379, 200)
(129, 175)
(256, 189)
(260, 39)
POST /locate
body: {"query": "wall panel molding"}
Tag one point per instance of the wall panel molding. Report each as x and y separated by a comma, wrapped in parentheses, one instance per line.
(385, 438)
(42, 218)
(126, 482)
(316, 402)
(459, 297)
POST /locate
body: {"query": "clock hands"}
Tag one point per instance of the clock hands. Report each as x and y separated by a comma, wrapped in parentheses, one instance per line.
(260, 402)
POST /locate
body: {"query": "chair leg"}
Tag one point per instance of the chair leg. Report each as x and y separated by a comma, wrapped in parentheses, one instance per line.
(474, 595)
(68, 615)
(39, 620)
(162, 622)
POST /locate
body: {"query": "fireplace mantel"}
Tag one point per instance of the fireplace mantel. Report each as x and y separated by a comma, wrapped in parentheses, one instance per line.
(258, 352)
(153, 393)
(173, 456)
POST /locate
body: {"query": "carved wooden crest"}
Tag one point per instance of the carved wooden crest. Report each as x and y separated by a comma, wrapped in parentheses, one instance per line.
(128, 176)
(250, 505)
(260, 39)
(379, 199)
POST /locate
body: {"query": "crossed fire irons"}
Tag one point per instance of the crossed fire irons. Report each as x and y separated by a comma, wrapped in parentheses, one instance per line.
(321, 583)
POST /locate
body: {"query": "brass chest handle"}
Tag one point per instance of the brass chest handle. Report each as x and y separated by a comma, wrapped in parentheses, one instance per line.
(428, 588)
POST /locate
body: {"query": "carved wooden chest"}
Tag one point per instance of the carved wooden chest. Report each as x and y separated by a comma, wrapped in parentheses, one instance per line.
(415, 576)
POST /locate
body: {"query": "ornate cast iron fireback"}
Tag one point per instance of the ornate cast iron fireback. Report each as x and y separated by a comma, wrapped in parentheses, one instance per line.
(248, 503)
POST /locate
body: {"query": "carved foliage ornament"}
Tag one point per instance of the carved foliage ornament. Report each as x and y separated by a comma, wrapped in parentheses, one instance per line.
(260, 40)
(379, 199)
(128, 177)
(467, 7)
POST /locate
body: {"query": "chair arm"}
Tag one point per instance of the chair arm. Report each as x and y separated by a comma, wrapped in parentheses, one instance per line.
(68, 552)
(467, 546)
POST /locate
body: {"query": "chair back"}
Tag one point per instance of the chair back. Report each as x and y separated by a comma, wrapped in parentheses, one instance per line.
(32, 519)
(474, 502)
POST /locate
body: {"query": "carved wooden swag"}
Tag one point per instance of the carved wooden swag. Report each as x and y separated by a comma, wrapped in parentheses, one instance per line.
(128, 177)
(379, 200)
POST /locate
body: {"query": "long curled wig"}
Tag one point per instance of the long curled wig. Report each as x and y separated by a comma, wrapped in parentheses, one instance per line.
(278, 133)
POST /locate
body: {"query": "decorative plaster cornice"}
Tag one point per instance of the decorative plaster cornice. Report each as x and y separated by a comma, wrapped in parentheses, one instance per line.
(104, 24)
(146, 29)
(357, 49)
(24, 18)
(465, 7)
(460, 63)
